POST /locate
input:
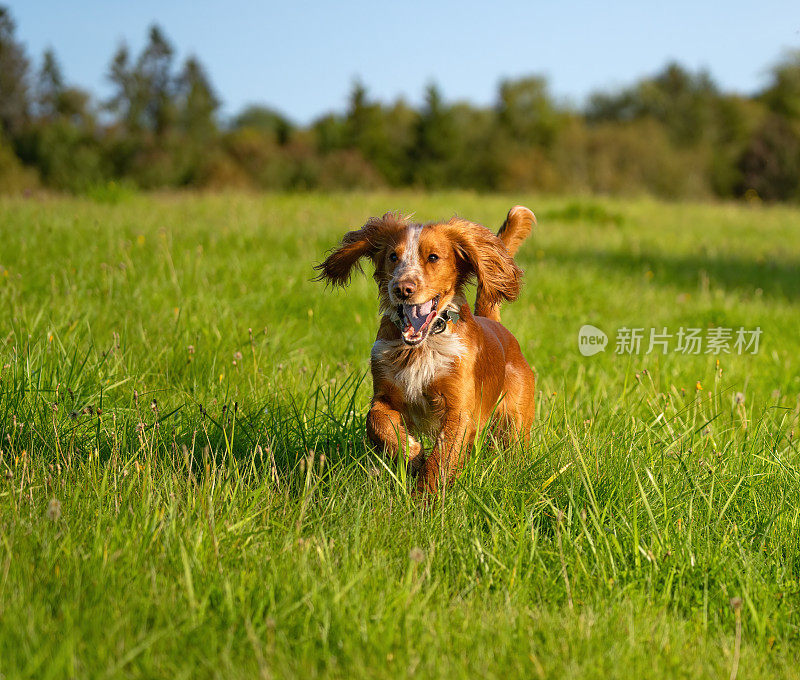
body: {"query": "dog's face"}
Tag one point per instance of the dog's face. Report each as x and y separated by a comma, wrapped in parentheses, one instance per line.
(417, 273)
(420, 268)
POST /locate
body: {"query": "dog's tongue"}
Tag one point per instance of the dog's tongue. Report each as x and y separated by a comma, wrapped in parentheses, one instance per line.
(418, 314)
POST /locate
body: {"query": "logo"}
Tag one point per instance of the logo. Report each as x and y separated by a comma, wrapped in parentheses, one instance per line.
(591, 340)
(711, 340)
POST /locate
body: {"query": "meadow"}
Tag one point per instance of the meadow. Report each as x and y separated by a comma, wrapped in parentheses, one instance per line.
(186, 490)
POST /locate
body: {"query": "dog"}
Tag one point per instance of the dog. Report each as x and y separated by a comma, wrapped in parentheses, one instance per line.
(438, 369)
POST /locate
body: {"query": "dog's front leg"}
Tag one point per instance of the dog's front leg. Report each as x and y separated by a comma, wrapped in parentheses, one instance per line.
(386, 430)
(449, 454)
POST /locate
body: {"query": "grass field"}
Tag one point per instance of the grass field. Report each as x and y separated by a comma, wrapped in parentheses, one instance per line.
(185, 489)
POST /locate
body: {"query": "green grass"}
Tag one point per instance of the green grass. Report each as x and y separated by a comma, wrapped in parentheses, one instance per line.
(185, 488)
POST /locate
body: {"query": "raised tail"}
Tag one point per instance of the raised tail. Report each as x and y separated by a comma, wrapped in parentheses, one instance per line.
(517, 227)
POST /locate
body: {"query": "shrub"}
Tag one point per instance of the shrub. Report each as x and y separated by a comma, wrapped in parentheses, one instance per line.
(14, 177)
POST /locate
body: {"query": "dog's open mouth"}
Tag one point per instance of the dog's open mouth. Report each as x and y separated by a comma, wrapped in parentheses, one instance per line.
(417, 320)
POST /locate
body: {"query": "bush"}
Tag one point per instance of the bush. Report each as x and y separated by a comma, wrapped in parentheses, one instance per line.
(347, 170)
(638, 158)
(15, 178)
(69, 159)
(259, 158)
(770, 165)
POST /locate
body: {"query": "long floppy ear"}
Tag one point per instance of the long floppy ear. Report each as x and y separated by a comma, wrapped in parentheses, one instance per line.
(485, 256)
(364, 242)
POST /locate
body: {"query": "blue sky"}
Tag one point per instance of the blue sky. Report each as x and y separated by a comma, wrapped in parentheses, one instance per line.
(302, 57)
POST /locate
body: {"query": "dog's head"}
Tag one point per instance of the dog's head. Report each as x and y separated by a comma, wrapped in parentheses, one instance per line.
(420, 268)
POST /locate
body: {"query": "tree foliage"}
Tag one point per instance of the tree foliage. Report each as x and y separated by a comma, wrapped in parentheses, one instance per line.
(673, 134)
(14, 85)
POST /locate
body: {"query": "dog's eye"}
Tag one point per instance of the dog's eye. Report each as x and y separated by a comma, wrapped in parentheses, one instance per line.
(393, 257)
(433, 257)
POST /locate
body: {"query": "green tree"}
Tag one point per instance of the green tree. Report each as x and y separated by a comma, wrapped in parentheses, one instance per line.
(770, 165)
(525, 112)
(143, 96)
(434, 142)
(359, 116)
(14, 66)
(475, 162)
(57, 100)
(49, 87)
(267, 120)
(382, 134)
(197, 102)
(330, 133)
(685, 103)
(125, 101)
(147, 143)
(783, 94)
(156, 85)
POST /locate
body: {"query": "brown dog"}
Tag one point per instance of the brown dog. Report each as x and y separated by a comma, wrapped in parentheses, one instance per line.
(437, 369)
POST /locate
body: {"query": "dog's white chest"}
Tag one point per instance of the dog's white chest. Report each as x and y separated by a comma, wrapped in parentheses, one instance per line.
(413, 369)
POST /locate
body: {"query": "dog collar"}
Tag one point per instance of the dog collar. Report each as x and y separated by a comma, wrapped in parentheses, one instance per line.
(440, 325)
(443, 320)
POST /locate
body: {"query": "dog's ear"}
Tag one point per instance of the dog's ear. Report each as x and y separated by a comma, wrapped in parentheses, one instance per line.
(484, 256)
(364, 242)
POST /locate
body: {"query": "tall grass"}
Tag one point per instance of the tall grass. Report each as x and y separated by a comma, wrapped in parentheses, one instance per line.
(187, 490)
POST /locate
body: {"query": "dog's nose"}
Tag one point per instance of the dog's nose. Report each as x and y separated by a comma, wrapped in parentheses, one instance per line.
(405, 289)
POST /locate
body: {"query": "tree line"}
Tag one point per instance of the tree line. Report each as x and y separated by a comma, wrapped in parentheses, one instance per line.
(675, 134)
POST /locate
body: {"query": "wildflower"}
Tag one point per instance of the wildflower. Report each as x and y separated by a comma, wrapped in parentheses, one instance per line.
(739, 398)
(416, 555)
(190, 349)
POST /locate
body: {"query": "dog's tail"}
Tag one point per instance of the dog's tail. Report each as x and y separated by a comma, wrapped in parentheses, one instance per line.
(517, 227)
